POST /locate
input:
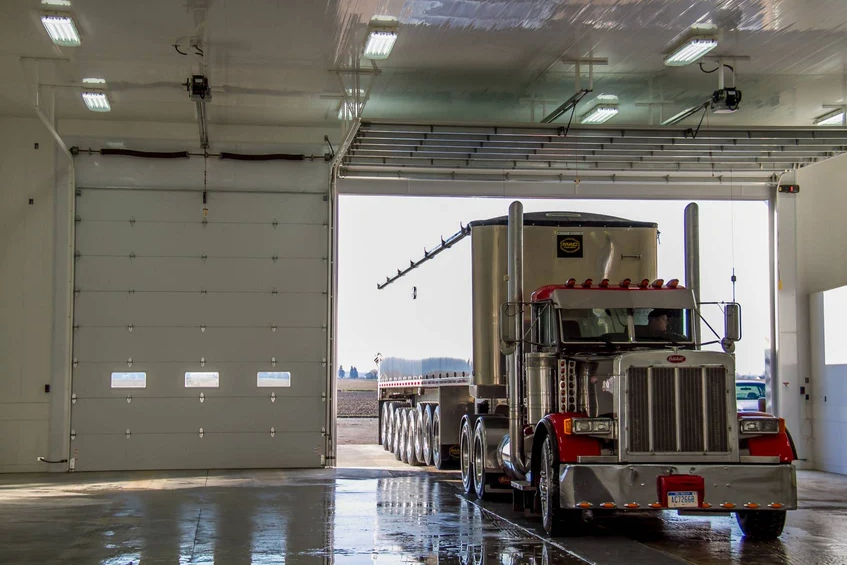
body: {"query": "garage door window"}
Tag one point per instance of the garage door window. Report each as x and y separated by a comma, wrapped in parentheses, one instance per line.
(274, 379)
(129, 380)
(202, 380)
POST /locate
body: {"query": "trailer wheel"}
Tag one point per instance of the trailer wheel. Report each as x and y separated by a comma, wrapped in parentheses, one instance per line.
(556, 521)
(761, 524)
(397, 437)
(419, 418)
(466, 458)
(385, 426)
(436, 439)
(404, 435)
(426, 432)
(411, 437)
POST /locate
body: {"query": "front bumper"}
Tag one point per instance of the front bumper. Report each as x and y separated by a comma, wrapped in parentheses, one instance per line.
(601, 485)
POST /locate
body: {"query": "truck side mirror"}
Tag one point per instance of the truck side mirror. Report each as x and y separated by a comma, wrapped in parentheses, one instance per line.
(732, 322)
(506, 323)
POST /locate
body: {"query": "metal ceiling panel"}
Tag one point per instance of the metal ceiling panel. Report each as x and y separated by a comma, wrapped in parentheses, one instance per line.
(410, 150)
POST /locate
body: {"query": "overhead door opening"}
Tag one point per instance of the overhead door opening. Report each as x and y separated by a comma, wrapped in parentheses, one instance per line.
(424, 319)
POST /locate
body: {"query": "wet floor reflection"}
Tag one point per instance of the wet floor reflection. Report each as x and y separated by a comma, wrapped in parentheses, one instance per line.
(361, 517)
(292, 517)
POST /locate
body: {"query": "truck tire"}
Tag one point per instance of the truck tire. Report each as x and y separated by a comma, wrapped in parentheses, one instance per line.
(426, 432)
(385, 426)
(404, 435)
(761, 524)
(478, 461)
(398, 433)
(436, 439)
(556, 521)
(411, 435)
(466, 458)
(419, 413)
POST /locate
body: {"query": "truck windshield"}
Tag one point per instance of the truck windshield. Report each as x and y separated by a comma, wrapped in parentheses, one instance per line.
(651, 325)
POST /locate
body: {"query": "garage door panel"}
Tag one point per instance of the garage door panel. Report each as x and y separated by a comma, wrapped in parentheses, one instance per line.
(122, 309)
(173, 206)
(192, 344)
(177, 239)
(214, 414)
(190, 451)
(162, 293)
(195, 275)
(92, 380)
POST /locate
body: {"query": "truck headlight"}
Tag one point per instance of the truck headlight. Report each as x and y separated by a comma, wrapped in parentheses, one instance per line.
(759, 425)
(588, 426)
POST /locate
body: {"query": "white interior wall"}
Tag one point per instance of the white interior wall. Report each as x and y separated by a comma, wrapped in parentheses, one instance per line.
(26, 291)
(821, 232)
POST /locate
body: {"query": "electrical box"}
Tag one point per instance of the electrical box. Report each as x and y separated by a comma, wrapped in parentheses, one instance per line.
(789, 188)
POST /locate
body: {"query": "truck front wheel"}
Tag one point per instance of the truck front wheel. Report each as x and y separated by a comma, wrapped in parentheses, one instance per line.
(761, 524)
(557, 521)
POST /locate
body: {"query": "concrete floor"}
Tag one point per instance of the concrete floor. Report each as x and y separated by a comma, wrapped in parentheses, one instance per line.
(371, 510)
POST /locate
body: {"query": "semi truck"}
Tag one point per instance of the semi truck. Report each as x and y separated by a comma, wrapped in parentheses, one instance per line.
(589, 390)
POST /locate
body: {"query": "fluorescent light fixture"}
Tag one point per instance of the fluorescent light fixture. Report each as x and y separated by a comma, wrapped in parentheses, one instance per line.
(601, 109)
(834, 118)
(96, 101)
(61, 30)
(599, 114)
(59, 3)
(93, 81)
(379, 44)
(691, 51)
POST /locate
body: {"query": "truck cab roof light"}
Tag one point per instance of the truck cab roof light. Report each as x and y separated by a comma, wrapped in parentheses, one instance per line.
(587, 283)
(728, 505)
(776, 505)
(673, 283)
(584, 505)
(658, 283)
(607, 505)
(604, 283)
(655, 505)
(625, 283)
(751, 505)
(705, 505)
(571, 283)
(632, 505)
(644, 283)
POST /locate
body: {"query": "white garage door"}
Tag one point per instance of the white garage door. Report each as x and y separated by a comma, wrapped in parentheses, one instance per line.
(200, 343)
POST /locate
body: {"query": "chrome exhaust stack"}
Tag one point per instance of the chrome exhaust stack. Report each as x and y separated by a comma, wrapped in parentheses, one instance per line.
(692, 262)
(516, 465)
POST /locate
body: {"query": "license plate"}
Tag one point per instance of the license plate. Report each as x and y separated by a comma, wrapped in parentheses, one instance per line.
(683, 499)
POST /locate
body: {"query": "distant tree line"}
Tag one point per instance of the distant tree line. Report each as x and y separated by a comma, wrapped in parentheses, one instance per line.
(394, 367)
(354, 373)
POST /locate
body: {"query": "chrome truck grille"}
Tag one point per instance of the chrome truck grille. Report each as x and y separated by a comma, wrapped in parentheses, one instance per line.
(677, 410)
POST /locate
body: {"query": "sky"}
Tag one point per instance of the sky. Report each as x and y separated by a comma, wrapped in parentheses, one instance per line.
(379, 234)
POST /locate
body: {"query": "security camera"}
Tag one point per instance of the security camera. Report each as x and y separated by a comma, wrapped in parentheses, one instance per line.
(726, 100)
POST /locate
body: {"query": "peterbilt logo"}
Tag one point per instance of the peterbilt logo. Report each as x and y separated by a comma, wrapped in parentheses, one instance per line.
(676, 358)
(569, 245)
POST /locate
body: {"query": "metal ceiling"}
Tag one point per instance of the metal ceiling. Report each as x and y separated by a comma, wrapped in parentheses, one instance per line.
(398, 150)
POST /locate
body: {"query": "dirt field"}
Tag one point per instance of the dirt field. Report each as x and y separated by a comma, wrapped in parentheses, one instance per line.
(357, 398)
(356, 384)
(357, 431)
